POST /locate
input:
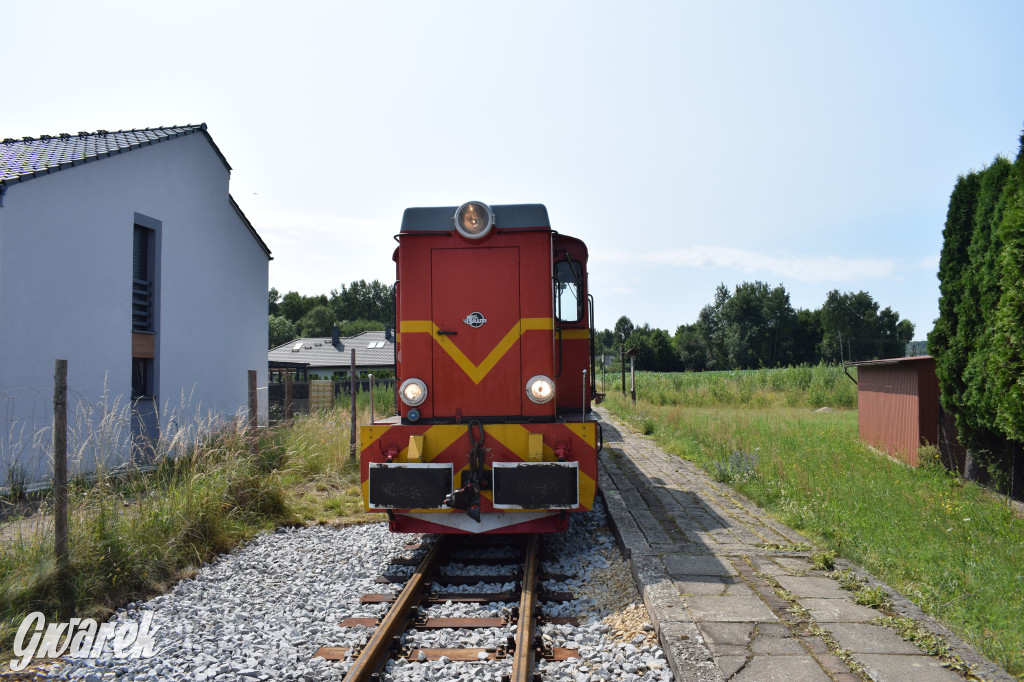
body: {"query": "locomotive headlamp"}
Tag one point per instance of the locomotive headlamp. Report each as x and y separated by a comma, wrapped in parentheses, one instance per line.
(540, 389)
(474, 219)
(413, 392)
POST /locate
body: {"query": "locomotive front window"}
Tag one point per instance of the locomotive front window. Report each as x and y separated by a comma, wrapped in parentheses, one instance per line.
(568, 294)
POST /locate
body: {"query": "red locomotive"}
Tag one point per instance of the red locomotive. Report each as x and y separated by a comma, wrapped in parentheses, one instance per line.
(494, 360)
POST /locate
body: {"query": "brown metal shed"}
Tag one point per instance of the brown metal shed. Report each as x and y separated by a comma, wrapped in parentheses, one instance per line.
(898, 404)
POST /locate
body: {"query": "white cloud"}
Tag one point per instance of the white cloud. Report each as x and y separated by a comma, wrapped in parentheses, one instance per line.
(804, 268)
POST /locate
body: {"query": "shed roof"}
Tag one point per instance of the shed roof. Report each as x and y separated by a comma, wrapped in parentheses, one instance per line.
(30, 157)
(372, 350)
(889, 361)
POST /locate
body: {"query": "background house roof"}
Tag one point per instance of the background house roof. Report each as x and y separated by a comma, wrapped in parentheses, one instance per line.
(372, 350)
(30, 157)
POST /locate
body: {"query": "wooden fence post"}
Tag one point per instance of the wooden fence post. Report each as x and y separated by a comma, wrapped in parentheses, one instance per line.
(60, 460)
(253, 409)
(288, 411)
(352, 431)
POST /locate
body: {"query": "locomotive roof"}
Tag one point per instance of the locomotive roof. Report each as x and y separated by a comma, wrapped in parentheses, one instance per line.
(506, 216)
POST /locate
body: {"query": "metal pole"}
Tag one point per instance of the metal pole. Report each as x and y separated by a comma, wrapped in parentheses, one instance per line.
(371, 399)
(352, 431)
(252, 410)
(632, 377)
(622, 364)
(60, 460)
(288, 410)
(583, 418)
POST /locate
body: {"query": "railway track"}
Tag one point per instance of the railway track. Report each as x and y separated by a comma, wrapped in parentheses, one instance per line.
(523, 648)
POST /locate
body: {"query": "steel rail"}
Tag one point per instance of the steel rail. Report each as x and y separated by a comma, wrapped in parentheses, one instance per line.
(378, 649)
(522, 662)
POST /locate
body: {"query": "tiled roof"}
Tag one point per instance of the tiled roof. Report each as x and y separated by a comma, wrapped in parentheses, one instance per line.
(318, 352)
(31, 157)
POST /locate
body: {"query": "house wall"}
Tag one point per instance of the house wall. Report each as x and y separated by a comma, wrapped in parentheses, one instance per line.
(65, 285)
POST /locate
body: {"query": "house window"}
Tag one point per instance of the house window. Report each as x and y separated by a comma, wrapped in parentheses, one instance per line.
(142, 280)
(142, 377)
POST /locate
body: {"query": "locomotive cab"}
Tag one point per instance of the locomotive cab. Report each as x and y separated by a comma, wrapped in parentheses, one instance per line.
(494, 363)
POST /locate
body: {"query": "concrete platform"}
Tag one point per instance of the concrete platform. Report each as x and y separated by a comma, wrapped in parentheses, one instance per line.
(732, 591)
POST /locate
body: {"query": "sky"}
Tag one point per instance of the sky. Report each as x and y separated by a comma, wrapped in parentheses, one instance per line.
(689, 144)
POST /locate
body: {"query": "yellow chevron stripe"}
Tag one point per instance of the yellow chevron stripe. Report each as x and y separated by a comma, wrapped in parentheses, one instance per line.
(473, 371)
(572, 334)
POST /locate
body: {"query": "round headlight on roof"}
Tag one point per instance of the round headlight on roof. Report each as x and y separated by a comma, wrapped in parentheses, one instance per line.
(413, 392)
(540, 389)
(473, 219)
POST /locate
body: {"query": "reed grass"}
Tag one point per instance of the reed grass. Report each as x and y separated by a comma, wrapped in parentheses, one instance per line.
(950, 546)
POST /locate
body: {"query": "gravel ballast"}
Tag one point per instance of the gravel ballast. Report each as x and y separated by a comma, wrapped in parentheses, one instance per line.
(261, 612)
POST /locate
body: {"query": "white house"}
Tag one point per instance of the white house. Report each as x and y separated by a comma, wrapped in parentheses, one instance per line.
(123, 253)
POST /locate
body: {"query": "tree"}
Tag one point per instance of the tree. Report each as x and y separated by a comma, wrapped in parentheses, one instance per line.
(274, 297)
(640, 344)
(945, 341)
(1006, 362)
(319, 321)
(757, 321)
(711, 324)
(806, 334)
(977, 338)
(604, 342)
(849, 323)
(353, 327)
(280, 331)
(982, 291)
(665, 357)
(623, 329)
(691, 347)
(363, 301)
(293, 306)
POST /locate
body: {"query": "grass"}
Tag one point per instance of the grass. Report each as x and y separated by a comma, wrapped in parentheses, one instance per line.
(133, 534)
(949, 546)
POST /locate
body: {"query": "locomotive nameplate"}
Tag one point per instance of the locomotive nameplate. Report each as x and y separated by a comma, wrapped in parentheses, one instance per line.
(409, 486)
(536, 485)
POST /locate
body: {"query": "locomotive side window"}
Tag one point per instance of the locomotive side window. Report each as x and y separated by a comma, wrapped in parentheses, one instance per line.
(568, 291)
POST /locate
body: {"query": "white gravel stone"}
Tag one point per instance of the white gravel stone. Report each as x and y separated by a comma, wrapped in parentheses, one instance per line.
(260, 613)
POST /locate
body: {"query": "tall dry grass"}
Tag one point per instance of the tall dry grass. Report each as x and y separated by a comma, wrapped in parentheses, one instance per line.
(134, 530)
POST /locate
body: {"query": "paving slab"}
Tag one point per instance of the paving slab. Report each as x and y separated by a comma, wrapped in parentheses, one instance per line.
(862, 638)
(885, 668)
(804, 587)
(730, 610)
(677, 565)
(782, 669)
(778, 646)
(838, 610)
(707, 562)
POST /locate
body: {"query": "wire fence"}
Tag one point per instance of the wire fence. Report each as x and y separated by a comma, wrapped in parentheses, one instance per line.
(105, 432)
(107, 439)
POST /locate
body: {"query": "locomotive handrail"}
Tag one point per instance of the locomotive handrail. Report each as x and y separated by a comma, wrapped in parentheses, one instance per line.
(556, 303)
(593, 333)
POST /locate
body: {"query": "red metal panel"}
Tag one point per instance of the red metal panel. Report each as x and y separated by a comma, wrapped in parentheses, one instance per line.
(928, 401)
(887, 405)
(484, 281)
(571, 393)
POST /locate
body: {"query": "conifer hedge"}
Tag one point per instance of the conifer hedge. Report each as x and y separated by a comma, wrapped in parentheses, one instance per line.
(978, 340)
